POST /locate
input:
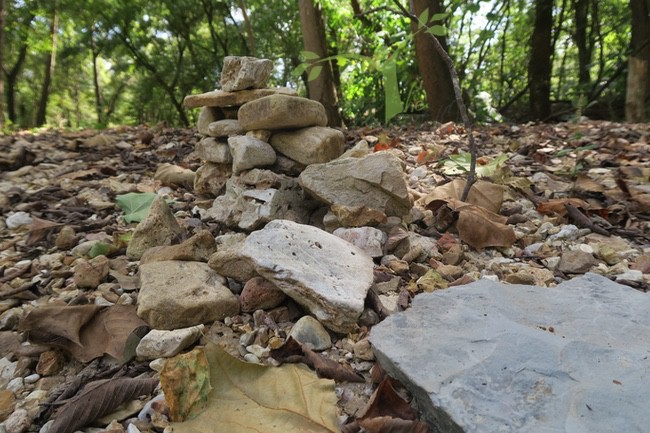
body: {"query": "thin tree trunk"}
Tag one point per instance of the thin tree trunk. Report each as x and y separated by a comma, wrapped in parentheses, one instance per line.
(581, 8)
(321, 88)
(2, 75)
(638, 75)
(435, 74)
(50, 63)
(249, 28)
(540, 66)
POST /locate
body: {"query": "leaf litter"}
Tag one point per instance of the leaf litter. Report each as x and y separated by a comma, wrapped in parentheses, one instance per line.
(538, 180)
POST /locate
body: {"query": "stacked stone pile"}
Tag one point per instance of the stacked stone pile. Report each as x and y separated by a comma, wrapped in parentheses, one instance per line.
(269, 155)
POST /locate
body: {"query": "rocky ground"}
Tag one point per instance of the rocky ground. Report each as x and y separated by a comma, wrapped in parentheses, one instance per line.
(575, 199)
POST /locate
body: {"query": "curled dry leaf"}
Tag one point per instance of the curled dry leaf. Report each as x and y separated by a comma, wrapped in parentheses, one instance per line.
(256, 398)
(86, 331)
(98, 399)
(295, 352)
(484, 194)
(185, 380)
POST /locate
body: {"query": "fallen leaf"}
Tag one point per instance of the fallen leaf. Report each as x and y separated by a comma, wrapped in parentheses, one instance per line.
(170, 174)
(185, 380)
(387, 424)
(484, 194)
(98, 399)
(485, 167)
(135, 205)
(294, 352)
(86, 331)
(248, 398)
(40, 228)
(558, 206)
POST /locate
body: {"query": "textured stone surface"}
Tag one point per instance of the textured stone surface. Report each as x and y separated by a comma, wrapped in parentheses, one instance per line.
(369, 239)
(489, 357)
(213, 150)
(211, 178)
(177, 294)
(198, 248)
(313, 145)
(165, 344)
(241, 72)
(576, 262)
(311, 333)
(281, 112)
(376, 181)
(224, 128)
(325, 274)
(248, 152)
(219, 98)
(207, 116)
(158, 228)
(89, 273)
(260, 294)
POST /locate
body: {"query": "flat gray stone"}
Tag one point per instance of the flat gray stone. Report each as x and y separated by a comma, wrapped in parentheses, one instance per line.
(325, 274)
(281, 112)
(248, 152)
(489, 357)
(220, 98)
(225, 128)
(213, 150)
(375, 181)
(207, 116)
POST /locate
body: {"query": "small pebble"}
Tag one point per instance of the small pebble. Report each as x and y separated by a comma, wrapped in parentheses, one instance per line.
(32, 378)
(249, 357)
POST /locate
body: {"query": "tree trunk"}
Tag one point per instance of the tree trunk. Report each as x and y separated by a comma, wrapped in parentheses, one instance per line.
(581, 8)
(250, 36)
(540, 66)
(2, 75)
(50, 63)
(321, 88)
(638, 75)
(435, 74)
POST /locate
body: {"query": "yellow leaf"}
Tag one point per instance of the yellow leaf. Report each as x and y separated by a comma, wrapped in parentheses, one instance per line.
(185, 380)
(252, 398)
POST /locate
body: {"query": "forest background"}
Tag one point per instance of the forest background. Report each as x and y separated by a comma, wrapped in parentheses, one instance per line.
(97, 63)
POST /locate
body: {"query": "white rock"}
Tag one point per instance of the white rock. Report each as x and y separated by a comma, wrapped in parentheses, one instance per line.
(250, 152)
(369, 239)
(165, 344)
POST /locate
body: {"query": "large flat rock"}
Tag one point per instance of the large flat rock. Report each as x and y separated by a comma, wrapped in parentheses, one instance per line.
(220, 98)
(325, 274)
(489, 357)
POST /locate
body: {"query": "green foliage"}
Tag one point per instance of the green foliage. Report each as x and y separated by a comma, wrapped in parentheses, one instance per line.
(135, 205)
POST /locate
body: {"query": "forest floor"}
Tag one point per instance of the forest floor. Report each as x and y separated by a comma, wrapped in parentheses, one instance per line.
(575, 195)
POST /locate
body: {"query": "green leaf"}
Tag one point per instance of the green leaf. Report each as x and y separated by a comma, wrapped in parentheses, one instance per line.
(423, 19)
(439, 17)
(314, 73)
(393, 100)
(437, 30)
(99, 249)
(309, 55)
(300, 69)
(135, 205)
(473, 8)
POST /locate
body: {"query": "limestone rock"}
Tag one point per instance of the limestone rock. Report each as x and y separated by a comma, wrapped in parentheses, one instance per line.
(240, 73)
(165, 344)
(207, 116)
(489, 357)
(224, 128)
(325, 274)
(260, 294)
(213, 150)
(576, 262)
(90, 273)
(249, 152)
(198, 248)
(311, 145)
(257, 197)
(369, 239)
(227, 261)
(376, 181)
(176, 294)
(158, 228)
(311, 333)
(281, 112)
(211, 179)
(219, 98)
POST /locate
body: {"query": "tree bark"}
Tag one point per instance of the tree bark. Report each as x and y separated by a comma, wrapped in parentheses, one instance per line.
(540, 66)
(638, 75)
(50, 63)
(581, 8)
(250, 36)
(2, 75)
(435, 74)
(322, 88)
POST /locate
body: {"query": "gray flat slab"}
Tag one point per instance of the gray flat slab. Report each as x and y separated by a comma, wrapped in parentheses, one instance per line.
(489, 357)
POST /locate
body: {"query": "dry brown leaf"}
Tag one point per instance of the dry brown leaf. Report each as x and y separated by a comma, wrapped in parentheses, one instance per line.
(185, 380)
(98, 399)
(247, 398)
(484, 194)
(387, 424)
(86, 331)
(295, 352)
(557, 206)
(480, 228)
(40, 228)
